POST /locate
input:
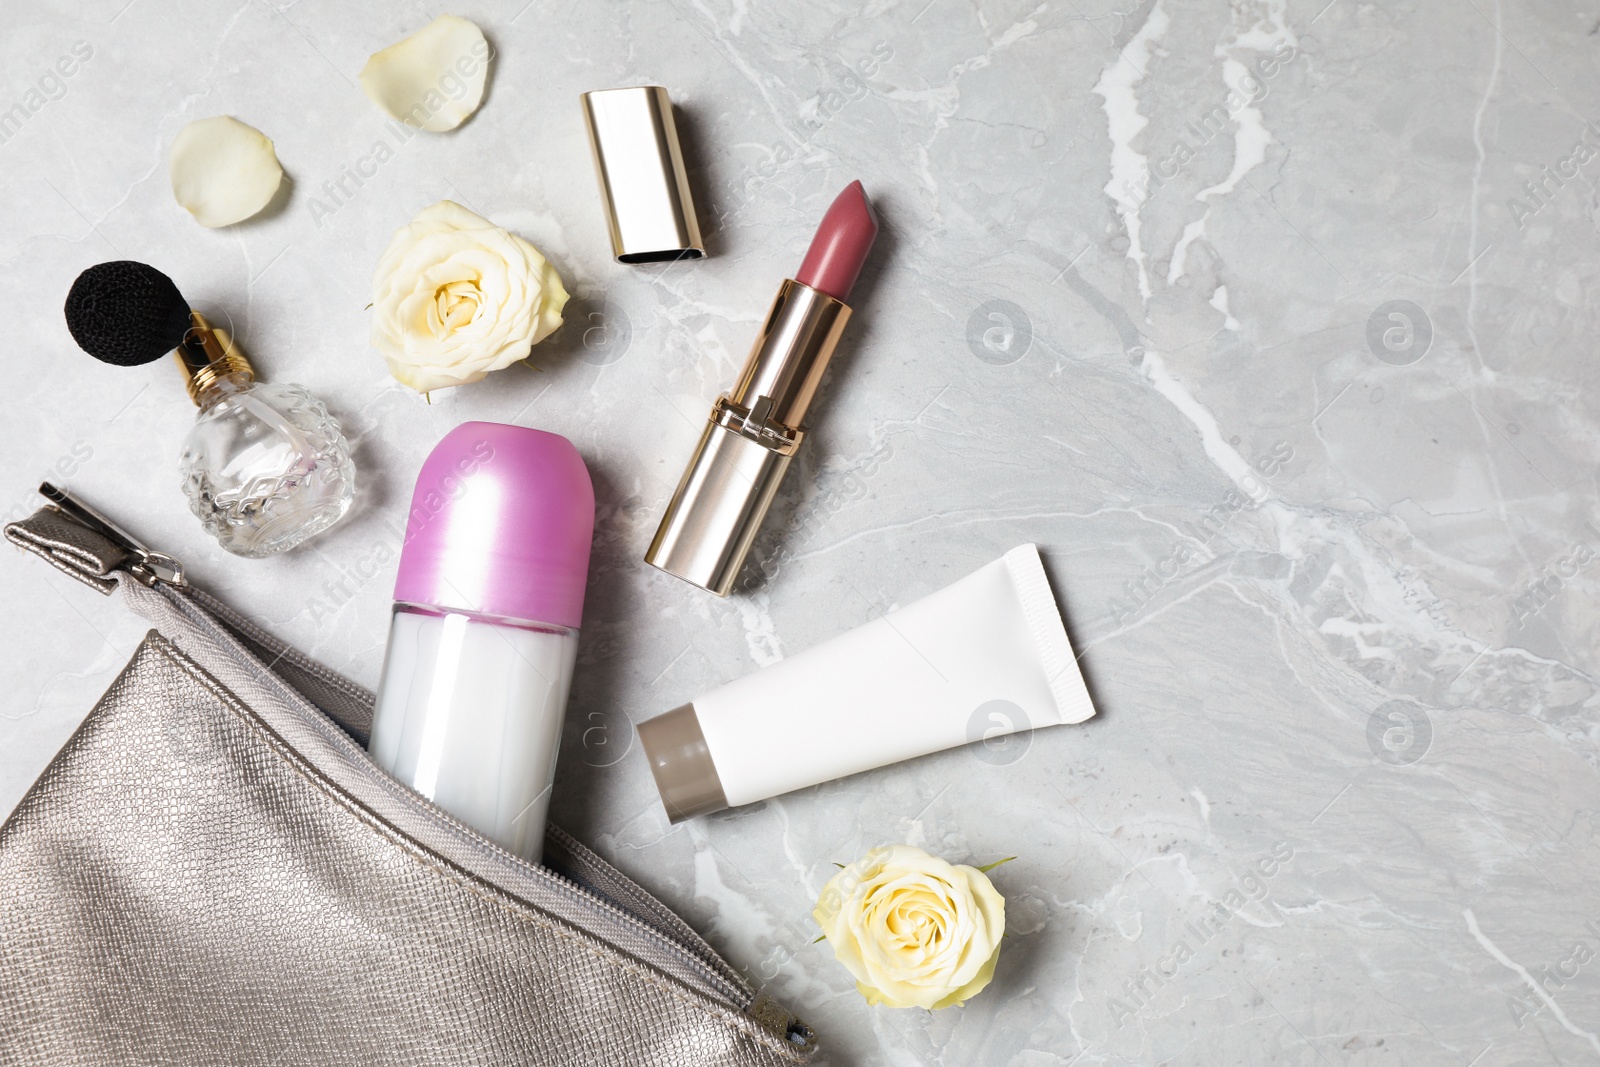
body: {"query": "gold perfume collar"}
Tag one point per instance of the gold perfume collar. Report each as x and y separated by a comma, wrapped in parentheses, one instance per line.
(207, 355)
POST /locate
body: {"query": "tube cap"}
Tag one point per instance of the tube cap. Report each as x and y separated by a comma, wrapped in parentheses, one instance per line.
(681, 763)
(643, 185)
(500, 524)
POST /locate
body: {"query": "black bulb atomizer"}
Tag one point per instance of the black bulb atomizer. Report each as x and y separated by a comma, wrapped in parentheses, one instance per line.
(265, 466)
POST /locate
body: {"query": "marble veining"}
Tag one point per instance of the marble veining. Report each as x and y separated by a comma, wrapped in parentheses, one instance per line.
(1270, 322)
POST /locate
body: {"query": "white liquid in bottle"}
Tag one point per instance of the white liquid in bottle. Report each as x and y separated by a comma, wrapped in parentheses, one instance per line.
(469, 715)
(487, 604)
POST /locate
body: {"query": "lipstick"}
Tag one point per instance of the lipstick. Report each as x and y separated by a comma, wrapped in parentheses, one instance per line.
(838, 251)
(756, 428)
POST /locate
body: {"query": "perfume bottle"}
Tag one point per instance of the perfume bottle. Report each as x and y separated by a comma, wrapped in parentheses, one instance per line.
(484, 637)
(265, 466)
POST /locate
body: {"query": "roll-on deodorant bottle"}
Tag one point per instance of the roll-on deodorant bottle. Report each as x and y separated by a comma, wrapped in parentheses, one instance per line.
(485, 627)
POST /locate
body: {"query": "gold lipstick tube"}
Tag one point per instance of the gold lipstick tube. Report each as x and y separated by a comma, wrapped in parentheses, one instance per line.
(753, 433)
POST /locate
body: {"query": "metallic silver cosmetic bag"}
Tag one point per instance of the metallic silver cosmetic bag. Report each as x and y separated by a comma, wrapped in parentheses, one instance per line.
(211, 871)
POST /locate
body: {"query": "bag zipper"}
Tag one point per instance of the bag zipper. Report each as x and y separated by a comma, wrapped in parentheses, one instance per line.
(149, 567)
(165, 573)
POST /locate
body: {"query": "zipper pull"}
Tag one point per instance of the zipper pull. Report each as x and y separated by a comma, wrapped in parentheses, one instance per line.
(149, 566)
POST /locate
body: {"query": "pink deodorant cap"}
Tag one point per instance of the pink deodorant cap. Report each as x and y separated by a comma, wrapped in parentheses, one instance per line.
(500, 524)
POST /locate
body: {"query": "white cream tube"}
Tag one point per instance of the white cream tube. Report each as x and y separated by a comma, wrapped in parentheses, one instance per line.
(983, 657)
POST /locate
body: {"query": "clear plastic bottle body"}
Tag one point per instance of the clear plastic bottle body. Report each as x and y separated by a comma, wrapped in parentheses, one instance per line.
(265, 466)
(469, 714)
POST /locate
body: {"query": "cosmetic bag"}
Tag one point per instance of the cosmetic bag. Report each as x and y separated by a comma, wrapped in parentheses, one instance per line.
(211, 871)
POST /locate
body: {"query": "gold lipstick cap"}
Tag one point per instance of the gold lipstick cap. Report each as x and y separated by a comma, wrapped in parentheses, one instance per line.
(748, 443)
(643, 185)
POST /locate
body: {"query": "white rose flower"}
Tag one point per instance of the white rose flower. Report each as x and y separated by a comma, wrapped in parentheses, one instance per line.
(915, 931)
(455, 297)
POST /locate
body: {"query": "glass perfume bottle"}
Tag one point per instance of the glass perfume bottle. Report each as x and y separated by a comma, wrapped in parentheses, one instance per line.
(265, 466)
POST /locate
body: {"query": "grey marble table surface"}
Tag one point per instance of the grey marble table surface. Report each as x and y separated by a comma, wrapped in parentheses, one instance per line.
(1267, 321)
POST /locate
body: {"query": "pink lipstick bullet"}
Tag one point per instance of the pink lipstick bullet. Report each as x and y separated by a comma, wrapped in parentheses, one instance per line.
(839, 250)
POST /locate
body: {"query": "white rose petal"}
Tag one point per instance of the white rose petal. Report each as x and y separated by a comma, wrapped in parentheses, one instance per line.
(432, 79)
(223, 171)
(455, 297)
